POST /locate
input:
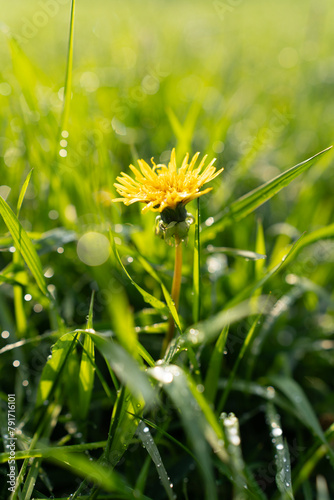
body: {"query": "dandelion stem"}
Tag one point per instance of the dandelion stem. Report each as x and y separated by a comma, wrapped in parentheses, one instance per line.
(175, 294)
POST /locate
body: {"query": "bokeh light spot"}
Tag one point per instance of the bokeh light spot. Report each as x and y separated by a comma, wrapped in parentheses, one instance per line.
(93, 248)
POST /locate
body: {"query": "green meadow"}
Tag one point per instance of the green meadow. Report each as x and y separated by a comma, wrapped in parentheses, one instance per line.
(241, 403)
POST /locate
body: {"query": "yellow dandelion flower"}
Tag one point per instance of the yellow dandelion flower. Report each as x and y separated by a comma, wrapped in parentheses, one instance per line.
(163, 187)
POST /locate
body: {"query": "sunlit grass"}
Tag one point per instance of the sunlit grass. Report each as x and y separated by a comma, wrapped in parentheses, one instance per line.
(242, 404)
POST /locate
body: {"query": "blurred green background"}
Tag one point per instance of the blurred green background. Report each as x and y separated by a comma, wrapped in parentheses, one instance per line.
(247, 82)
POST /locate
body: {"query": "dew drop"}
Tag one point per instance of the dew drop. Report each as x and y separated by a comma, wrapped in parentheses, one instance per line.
(209, 221)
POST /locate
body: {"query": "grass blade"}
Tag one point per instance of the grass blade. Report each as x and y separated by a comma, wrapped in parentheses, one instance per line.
(197, 268)
(87, 368)
(297, 397)
(253, 287)
(241, 354)
(207, 330)
(125, 367)
(260, 248)
(168, 298)
(231, 430)
(282, 456)
(23, 192)
(69, 71)
(54, 367)
(236, 252)
(150, 299)
(312, 458)
(23, 244)
(175, 384)
(92, 470)
(252, 200)
(143, 432)
(213, 373)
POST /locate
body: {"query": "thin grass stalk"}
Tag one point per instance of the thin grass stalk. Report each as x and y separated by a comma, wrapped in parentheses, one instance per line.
(68, 77)
(175, 294)
(197, 268)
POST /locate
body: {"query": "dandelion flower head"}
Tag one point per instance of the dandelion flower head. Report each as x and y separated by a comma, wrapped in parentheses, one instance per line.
(163, 187)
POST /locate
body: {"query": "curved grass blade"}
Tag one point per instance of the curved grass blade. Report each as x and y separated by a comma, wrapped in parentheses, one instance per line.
(87, 368)
(11, 281)
(54, 367)
(80, 465)
(23, 192)
(207, 330)
(252, 200)
(143, 432)
(241, 354)
(313, 457)
(125, 367)
(304, 410)
(253, 287)
(319, 234)
(231, 430)
(213, 373)
(236, 252)
(46, 450)
(150, 299)
(31, 479)
(69, 71)
(282, 456)
(282, 305)
(23, 244)
(260, 247)
(145, 355)
(171, 306)
(175, 384)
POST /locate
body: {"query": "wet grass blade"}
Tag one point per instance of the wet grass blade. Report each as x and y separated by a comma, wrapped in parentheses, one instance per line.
(241, 354)
(252, 200)
(300, 403)
(30, 481)
(23, 244)
(54, 367)
(143, 432)
(125, 367)
(92, 470)
(87, 368)
(232, 433)
(213, 373)
(253, 287)
(209, 329)
(260, 247)
(282, 456)
(236, 252)
(175, 384)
